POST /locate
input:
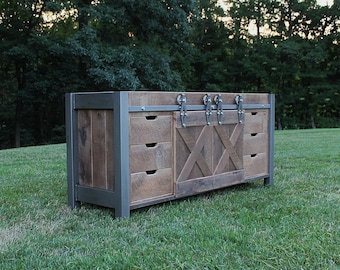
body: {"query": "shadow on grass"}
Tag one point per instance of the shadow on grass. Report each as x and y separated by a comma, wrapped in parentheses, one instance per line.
(243, 187)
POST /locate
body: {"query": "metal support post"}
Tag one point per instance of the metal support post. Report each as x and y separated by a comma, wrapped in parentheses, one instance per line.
(121, 154)
(72, 155)
(271, 126)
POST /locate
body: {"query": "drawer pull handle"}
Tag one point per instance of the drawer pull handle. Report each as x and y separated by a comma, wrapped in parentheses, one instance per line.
(253, 155)
(151, 117)
(150, 145)
(253, 113)
(151, 172)
(253, 134)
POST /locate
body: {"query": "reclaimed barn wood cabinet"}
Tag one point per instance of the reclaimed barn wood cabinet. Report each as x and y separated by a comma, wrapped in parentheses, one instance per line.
(127, 150)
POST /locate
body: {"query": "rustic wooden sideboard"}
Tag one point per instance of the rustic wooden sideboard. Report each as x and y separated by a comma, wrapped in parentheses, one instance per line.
(127, 150)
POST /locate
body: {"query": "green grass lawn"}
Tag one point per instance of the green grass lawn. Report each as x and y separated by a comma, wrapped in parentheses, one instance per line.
(294, 224)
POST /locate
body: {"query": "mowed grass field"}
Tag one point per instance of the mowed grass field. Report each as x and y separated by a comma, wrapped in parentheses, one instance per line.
(293, 224)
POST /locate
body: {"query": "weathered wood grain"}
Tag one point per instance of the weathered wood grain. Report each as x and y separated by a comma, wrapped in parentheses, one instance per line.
(203, 151)
(85, 147)
(199, 185)
(109, 148)
(147, 157)
(195, 148)
(256, 121)
(256, 164)
(153, 185)
(99, 174)
(255, 143)
(150, 129)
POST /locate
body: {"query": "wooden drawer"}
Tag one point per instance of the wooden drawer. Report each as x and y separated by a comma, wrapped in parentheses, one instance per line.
(256, 148)
(149, 157)
(151, 184)
(255, 165)
(151, 128)
(256, 121)
(255, 143)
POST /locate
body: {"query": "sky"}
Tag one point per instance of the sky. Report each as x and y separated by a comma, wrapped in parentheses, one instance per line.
(325, 2)
(320, 2)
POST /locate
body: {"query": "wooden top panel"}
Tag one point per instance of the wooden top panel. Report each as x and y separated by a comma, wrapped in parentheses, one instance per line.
(193, 98)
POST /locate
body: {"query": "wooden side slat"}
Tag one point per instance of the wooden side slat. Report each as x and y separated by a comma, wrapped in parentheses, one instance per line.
(99, 149)
(200, 185)
(255, 165)
(145, 186)
(85, 147)
(143, 131)
(154, 157)
(255, 143)
(109, 148)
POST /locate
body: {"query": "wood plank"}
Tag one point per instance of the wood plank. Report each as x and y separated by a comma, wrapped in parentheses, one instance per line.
(196, 186)
(150, 157)
(218, 151)
(237, 161)
(255, 165)
(153, 129)
(254, 98)
(85, 147)
(98, 148)
(145, 186)
(109, 147)
(195, 156)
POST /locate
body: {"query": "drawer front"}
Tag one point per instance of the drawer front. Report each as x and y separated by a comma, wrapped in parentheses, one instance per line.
(152, 128)
(150, 185)
(151, 156)
(256, 148)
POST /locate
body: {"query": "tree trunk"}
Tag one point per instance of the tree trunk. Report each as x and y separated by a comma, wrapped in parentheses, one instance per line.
(279, 124)
(18, 115)
(21, 79)
(313, 122)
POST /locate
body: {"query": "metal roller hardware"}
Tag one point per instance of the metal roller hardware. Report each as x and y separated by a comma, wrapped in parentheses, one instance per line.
(219, 102)
(182, 102)
(208, 109)
(240, 111)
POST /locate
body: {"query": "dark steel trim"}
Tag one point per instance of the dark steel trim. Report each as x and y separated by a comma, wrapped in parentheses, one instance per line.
(72, 147)
(194, 107)
(96, 196)
(121, 153)
(271, 128)
(94, 100)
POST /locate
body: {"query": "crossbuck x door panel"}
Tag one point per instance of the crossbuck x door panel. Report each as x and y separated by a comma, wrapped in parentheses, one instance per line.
(208, 156)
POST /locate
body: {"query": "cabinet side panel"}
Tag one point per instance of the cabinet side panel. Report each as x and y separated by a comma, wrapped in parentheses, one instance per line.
(99, 148)
(85, 147)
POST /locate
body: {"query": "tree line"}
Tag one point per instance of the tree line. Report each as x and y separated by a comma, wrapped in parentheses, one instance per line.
(51, 47)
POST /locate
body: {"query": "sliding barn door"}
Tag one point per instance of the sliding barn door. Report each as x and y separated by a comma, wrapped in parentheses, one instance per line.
(207, 156)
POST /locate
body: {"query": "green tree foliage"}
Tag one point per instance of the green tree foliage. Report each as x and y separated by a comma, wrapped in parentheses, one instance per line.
(50, 47)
